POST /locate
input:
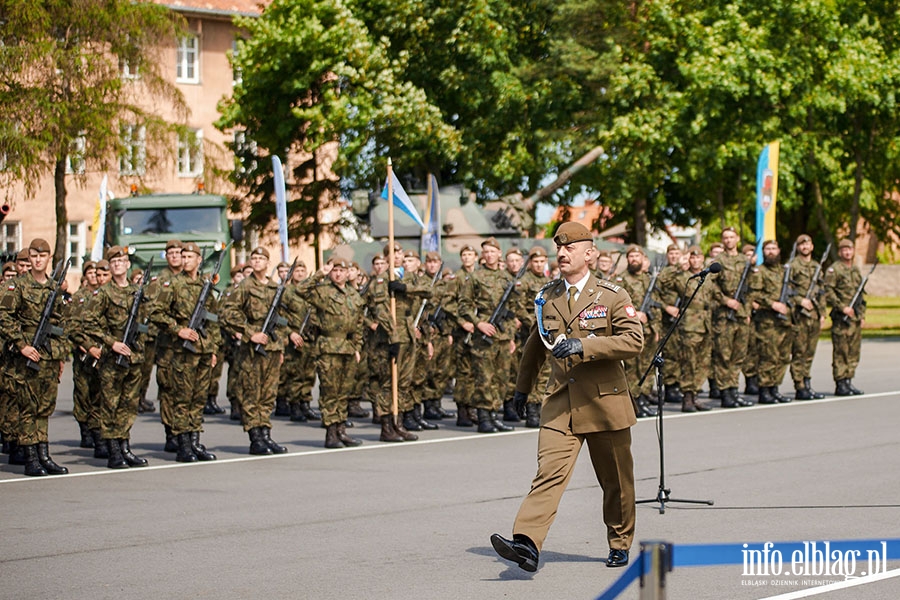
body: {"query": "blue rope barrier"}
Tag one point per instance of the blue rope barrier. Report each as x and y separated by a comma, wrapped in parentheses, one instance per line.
(619, 585)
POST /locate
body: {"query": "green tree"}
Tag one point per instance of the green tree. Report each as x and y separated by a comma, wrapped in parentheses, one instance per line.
(61, 63)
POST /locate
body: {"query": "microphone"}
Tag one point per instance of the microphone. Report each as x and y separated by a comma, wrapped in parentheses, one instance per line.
(715, 267)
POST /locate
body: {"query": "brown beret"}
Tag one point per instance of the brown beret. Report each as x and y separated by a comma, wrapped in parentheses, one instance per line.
(137, 273)
(845, 243)
(729, 228)
(803, 238)
(537, 251)
(300, 263)
(514, 250)
(114, 252)
(695, 250)
(717, 245)
(634, 248)
(354, 265)
(447, 274)
(173, 244)
(261, 251)
(769, 243)
(491, 241)
(397, 249)
(602, 253)
(192, 247)
(339, 261)
(103, 265)
(39, 245)
(236, 269)
(411, 254)
(87, 266)
(283, 265)
(467, 248)
(22, 255)
(572, 232)
(10, 266)
(432, 255)
(748, 248)
(672, 247)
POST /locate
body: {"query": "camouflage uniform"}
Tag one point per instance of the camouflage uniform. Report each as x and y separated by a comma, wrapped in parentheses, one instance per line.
(773, 333)
(165, 352)
(668, 293)
(806, 326)
(439, 370)
(841, 283)
(695, 334)
(531, 285)
(463, 389)
(85, 377)
(297, 363)
(636, 285)
(731, 329)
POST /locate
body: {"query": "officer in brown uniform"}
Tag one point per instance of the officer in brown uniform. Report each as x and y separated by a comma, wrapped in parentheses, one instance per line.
(587, 400)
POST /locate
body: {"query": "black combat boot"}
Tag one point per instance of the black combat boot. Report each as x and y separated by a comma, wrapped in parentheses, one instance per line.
(842, 388)
(687, 403)
(801, 392)
(331, 436)
(432, 410)
(777, 395)
(171, 441)
(212, 407)
(751, 386)
(388, 433)
(729, 398)
(509, 412)
(43, 451)
(417, 416)
(146, 406)
(698, 405)
(116, 460)
(462, 416)
(185, 452)
(17, 454)
(409, 421)
(281, 407)
(199, 449)
(258, 446)
(853, 389)
(346, 439)
(235, 410)
(403, 431)
(765, 396)
(816, 395)
(673, 394)
(714, 392)
(4, 444)
(297, 414)
(355, 410)
(33, 466)
(101, 448)
(500, 425)
(533, 415)
(128, 455)
(274, 446)
(86, 440)
(644, 407)
(485, 422)
(311, 414)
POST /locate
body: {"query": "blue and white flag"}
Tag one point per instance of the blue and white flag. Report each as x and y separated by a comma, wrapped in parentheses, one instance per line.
(281, 207)
(431, 237)
(402, 201)
(100, 223)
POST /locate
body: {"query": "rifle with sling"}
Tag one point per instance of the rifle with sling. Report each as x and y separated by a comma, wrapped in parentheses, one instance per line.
(200, 316)
(741, 290)
(815, 280)
(785, 296)
(857, 297)
(500, 311)
(45, 328)
(132, 326)
(648, 302)
(425, 301)
(273, 319)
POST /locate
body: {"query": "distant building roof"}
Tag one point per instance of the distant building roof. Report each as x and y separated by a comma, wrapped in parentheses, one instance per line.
(217, 7)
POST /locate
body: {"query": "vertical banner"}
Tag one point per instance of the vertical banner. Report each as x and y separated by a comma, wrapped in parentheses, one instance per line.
(281, 207)
(431, 235)
(99, 226)
(766, 196)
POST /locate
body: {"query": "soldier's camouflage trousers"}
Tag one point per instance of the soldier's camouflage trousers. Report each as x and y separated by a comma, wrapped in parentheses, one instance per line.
(164, 356)
(490, 372)
(334, 386)
(120, 389)
(216, 374)
(846, 339)
(440, 368)
(695, 366)
(258, 386)
(672, 353)
(35, 398)
(147, 365)
(637, 366)
(803, 349)
(730, 339)
(190, 374)
(86, 390)
(773, 338)
(463, 390)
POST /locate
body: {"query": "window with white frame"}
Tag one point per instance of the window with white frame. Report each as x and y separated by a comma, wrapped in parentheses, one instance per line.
(76, 242)
(10, 236)
(237, 74)
(244, 151)
(75, 159)
(128, 70)
(190, 153)
(187, 65)
(132, 160)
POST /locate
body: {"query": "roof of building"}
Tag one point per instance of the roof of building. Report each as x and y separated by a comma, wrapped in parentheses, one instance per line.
(217, 7)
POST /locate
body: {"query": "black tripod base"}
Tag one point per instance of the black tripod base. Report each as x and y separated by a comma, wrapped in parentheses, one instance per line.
(663, 497)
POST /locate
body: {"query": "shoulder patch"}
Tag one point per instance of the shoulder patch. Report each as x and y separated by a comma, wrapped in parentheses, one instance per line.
(609, 285)
(629, 310)
(167, 283)
(11, 287)
(95, 292)
(830, 270)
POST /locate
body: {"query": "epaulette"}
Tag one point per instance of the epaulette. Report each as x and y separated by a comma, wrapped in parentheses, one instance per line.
(549, 284)
(610, 285)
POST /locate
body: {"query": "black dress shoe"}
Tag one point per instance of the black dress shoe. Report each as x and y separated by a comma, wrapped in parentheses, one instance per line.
(617, 558)
(520, 550)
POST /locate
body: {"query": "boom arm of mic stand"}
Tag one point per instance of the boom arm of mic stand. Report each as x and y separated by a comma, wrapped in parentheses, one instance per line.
(663, 493)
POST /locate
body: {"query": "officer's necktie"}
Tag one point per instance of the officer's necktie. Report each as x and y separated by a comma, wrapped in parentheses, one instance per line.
(572, 291)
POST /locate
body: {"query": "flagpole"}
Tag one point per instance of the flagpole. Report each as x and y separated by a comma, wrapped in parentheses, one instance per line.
(390, 185)
(425, 230)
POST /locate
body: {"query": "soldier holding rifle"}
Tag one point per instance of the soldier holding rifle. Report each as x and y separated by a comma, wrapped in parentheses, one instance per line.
(844, 286)
(808, 316)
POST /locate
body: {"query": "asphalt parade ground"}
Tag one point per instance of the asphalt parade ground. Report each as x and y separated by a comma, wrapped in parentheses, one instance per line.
(413, 520)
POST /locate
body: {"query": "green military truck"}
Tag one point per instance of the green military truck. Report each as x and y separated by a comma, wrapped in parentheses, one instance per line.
(143, 225)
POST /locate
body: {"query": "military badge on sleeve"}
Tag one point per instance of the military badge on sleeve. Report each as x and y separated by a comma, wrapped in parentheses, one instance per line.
(629, 310)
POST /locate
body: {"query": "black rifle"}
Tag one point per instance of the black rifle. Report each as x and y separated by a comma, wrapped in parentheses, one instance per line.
(273, 319)
(425, 301)
(132, 326)
(200, 316)
(815, 280)
(500, 311)
(648, 302)
(45, 328)
(858, 296)
(305, 322)
(741, 290)
(785, 296)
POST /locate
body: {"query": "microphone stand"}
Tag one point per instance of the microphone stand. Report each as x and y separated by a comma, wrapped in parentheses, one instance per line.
(663, 494)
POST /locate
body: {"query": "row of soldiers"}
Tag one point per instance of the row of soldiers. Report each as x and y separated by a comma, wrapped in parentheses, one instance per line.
(353, 330)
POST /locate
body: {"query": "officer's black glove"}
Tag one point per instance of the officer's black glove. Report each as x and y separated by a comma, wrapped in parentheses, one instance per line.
(397, 286)
(393, 350)
(568, 347)
(519, 400)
